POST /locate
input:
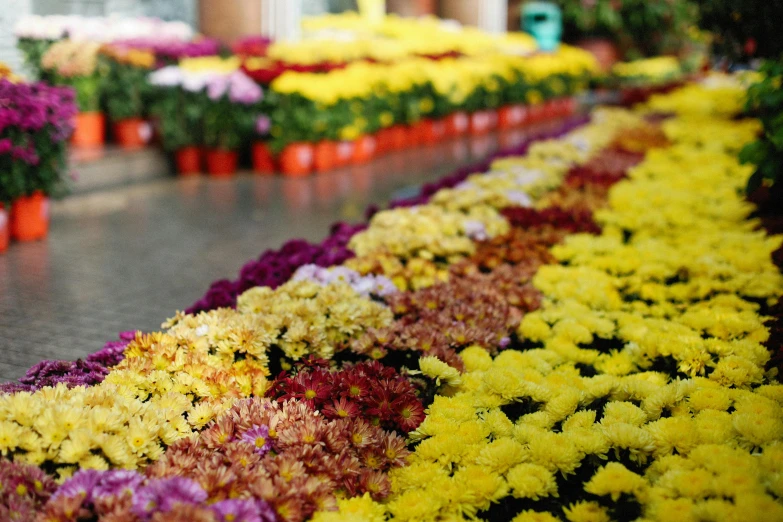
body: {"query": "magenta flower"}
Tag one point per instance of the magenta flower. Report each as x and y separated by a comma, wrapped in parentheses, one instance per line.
(160, 496)
(81, 484)
(117, 483)
(263, 124)
(258, 437)
(235, 510)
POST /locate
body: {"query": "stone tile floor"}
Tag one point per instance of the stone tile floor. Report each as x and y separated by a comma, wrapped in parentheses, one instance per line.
(128, 258)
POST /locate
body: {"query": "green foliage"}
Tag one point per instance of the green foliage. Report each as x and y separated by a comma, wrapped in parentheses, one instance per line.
(126, 90)
(744, 28)
(18, 179)
(32, 50)
(227, 125)
(178, 114)
(640, 28)
(765, 101)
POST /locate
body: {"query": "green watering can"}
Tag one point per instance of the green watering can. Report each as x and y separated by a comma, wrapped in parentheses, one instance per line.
(545, 22)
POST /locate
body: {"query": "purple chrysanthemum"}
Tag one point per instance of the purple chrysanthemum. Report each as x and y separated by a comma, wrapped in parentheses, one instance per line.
(159, 496)
(258, 437)
(117, 483)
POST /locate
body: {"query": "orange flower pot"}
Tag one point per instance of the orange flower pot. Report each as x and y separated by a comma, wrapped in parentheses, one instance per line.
(364, 149)
(398, 137)
(263, 159)
(30, 217)
(89, 129)
(457, 124)
(344, 153)
(221, 162)
(480, 123)
(325, 156)
(188, 160)
(571, 106)
(433, 131)
(5, 229)
(297, 159)
(536, 113)
(383, 141)
(511, 116)
(413, 135)
(551, 109)
(132, 133)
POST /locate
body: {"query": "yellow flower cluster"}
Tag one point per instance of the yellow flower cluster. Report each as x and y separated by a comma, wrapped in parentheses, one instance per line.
(670, 288)
(650, 70)
(210, 64)
(406, 274)
(394, 37)
(428, 232)
(303, 318)
(7, 74)
(723, 96)
(454, 78)
(109, 425)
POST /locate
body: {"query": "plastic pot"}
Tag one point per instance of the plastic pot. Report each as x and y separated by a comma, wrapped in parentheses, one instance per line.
(364, 149)
(30, 217)
(221, 162)
(132, 133)
(5, 229)
(457, 124)
(263, 159)
(325, 156)
(188, 160)
(480, 123)
(89, 129)
(297, 159)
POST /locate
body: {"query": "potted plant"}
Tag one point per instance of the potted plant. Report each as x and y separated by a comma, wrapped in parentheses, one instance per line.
(127, 93)
(33, 153)
(613, 29)
(229, 119)
(178, 113)
(75, 64)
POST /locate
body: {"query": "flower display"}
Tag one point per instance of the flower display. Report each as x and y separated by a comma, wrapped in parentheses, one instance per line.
(35, 122)
(75, 64)
(578, 334)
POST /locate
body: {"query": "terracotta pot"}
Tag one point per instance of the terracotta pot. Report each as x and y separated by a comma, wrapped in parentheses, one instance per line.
(30, 217)
(5, 229)
(324, 156)
(415, 134)
(457, 124)
(398, 137)
(132, 133)
(263, 159)
(604, 50)
(433, 131)
(221, 162)
(511, 116)
(297, 159)
(89, 130)
(364, 149)
(188, 160)
(480, 123)
(345, 152)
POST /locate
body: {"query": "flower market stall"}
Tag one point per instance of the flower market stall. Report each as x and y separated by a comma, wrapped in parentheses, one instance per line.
(328, 102)
(575, 331)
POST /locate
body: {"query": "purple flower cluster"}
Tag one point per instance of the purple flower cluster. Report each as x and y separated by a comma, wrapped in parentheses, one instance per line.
(26, 109)
(129, 494)
(87, 372)
(24, 489)
(275, 267)
(173, 49)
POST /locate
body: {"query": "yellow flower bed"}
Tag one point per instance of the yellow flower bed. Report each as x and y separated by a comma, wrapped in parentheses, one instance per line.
(672, 286)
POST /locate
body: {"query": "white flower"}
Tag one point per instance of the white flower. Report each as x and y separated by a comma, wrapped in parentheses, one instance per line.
(170, 76)
(475, 230)
(519, 198)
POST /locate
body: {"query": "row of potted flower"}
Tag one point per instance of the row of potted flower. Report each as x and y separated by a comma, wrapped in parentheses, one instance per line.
(36, 120)
(568, 373)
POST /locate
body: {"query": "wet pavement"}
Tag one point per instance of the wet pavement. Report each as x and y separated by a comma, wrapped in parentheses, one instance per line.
(128, 258)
